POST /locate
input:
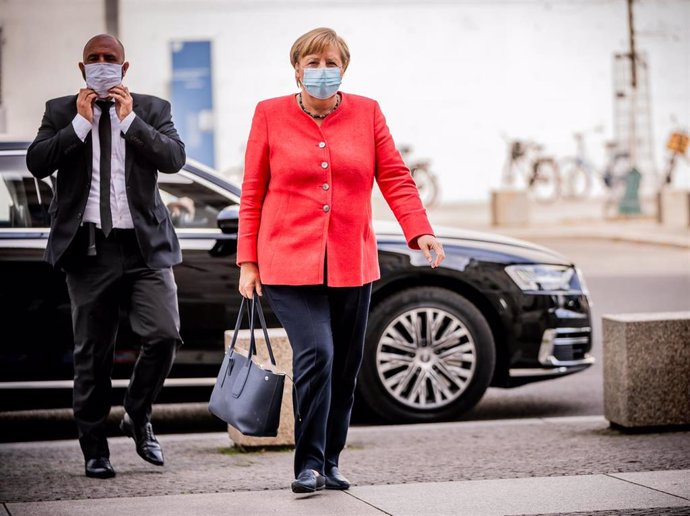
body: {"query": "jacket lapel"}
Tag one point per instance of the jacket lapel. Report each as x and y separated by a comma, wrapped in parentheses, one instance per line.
(129, 154)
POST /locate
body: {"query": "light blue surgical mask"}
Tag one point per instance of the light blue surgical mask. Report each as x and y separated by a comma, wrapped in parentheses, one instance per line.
(322, 83)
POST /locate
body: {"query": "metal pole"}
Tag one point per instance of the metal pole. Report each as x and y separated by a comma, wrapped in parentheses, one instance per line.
(112, 17)
(632, 144)
(630, 202)
(631, 33)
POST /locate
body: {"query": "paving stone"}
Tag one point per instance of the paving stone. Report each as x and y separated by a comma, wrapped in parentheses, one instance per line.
(206, 463)
(652, 511)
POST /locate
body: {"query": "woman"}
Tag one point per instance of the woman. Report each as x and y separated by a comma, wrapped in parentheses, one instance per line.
(306, 238)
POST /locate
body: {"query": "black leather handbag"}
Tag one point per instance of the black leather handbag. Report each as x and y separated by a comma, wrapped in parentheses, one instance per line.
(246, 395)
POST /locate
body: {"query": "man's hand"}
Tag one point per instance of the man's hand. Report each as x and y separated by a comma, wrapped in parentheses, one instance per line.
(123, 101)
(250, 280)
(427, 243)
(85, 101)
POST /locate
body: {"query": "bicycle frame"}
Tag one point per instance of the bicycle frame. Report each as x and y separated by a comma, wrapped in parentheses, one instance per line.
(538, 172)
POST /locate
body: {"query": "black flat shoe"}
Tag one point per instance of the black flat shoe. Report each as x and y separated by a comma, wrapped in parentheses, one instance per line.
(308, 481)
(99, 468)
(334, 480)
(147, 445)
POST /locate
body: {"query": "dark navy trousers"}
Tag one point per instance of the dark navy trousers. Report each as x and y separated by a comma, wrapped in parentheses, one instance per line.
(326, 327)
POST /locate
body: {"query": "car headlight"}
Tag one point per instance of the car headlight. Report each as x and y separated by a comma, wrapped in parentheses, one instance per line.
(546, 278)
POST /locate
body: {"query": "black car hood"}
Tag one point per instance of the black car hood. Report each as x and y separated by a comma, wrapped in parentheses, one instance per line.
(509, 249)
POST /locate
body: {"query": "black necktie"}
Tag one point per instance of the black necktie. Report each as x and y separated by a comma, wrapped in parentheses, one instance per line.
(105, 137)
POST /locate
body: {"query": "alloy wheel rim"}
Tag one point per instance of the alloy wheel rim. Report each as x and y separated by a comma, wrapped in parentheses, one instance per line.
(426, 358)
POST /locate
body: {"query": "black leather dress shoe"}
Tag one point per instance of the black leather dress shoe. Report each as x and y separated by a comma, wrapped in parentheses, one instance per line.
(147, 445)
(334, 480)
(308, 481)
(99, 468)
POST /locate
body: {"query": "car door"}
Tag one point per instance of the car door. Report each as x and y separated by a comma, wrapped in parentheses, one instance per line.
(207, 278)
(36, 342)
(36, 347)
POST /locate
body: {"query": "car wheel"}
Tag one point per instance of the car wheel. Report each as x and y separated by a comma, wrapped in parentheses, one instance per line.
(429, 356)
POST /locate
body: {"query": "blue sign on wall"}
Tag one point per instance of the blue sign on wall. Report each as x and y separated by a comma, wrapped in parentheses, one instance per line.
(192, 98)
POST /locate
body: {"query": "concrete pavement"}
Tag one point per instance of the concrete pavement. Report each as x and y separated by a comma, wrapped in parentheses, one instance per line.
(666, 492)
(528, 466)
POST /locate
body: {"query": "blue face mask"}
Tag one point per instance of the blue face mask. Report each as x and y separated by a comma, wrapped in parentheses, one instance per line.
(322, 83)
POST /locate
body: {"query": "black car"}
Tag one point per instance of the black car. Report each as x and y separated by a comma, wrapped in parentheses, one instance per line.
(498, 312)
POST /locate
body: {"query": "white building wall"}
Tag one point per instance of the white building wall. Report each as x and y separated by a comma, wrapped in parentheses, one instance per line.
(453, 78)
(42, 46)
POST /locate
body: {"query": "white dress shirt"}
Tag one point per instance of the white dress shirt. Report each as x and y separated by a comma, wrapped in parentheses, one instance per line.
(119, 207)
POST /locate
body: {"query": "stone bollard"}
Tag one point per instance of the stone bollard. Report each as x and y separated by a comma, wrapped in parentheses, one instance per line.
(674, 207)
(647, 369)
(509, 207)
(283, 355)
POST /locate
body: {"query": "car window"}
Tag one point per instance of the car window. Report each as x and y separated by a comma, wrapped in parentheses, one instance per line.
(191, 204)
(21, 205)
(6, 205)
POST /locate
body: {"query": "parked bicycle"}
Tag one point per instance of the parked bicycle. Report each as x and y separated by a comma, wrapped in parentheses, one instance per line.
(579, 174)
(677, 146)
(424, 177)
(527, 166)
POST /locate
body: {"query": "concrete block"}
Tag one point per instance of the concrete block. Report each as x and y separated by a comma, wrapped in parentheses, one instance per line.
(283, 355)
(674, 207)
(647, 369)
(509, 207)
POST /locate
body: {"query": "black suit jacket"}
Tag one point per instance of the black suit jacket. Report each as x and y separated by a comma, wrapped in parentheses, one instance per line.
(152, 145)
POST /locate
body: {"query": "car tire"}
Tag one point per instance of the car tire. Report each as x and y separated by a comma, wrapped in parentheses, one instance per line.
(413, 372)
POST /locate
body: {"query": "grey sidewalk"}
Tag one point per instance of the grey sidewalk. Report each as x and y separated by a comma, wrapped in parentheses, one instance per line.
(564, 219)
(665, 492)
(530, 466)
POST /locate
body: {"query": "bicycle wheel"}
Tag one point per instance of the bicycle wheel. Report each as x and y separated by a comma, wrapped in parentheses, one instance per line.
(576, 181)
(545, 181)
(427, 186)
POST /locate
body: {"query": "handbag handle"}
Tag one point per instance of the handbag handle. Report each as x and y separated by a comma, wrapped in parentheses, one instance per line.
(262, 320)
(240, 316)
(255, 309)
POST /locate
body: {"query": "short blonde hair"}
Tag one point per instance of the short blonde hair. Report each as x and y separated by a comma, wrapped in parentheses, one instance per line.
(316, 41)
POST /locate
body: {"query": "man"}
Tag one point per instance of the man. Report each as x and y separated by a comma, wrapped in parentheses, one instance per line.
(111, 234)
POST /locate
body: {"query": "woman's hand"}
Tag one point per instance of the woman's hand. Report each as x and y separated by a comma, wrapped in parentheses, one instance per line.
(427, 243)
(250, 280)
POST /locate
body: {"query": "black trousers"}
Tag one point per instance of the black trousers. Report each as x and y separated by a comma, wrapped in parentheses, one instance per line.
(326, 328)
(99, 287)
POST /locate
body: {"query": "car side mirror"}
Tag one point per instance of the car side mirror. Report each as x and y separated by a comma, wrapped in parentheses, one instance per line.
(228, 219)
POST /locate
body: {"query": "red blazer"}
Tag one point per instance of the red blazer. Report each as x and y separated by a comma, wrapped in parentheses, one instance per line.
(307, 193)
